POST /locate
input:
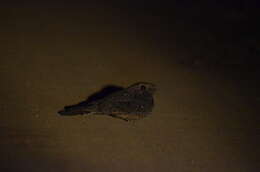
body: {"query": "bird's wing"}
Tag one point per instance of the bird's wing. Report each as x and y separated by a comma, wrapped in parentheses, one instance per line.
(124, 102)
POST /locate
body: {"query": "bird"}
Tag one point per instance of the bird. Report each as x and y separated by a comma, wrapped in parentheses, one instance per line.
(130, 103)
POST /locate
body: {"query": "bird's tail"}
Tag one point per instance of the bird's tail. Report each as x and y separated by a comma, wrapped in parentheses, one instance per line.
(73, 110)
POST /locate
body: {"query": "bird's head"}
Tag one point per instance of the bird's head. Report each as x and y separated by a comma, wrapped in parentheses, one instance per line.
(143, 87)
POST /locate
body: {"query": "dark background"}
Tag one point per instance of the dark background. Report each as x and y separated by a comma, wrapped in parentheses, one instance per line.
(203, 56)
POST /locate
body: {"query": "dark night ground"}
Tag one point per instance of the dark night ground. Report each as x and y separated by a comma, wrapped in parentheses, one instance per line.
(203, 60)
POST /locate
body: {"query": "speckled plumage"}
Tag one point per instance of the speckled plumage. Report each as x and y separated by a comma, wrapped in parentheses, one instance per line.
(131, 103)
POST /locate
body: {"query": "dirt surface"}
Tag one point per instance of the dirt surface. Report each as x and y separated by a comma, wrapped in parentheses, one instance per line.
(206, 118)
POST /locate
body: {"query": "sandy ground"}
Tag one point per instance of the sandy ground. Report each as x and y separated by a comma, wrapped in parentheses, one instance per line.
(205, 118)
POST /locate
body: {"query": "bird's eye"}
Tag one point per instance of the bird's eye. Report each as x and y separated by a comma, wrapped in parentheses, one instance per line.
(143, 87)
